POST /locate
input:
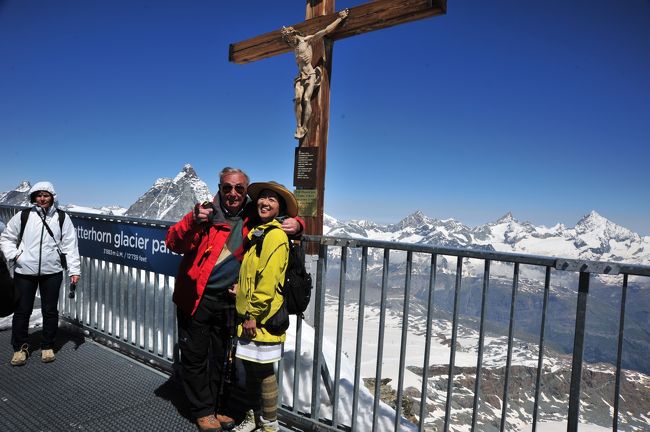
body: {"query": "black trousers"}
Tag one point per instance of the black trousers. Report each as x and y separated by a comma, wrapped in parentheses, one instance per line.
(203, 340)
(49, 287)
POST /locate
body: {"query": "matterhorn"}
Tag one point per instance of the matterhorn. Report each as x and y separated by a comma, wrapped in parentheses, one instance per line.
(170, 199)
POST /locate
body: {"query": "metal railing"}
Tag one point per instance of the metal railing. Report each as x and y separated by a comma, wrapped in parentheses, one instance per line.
(370, 288)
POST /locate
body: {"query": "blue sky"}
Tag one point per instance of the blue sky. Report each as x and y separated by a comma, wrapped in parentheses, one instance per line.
(538, 108)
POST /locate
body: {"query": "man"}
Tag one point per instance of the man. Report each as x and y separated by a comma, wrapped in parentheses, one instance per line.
(308, 79)
(211, 240)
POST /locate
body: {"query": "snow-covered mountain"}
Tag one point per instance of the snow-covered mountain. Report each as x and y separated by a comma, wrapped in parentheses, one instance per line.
(104, 210)
(593, 237)
(596, 388)
(18, 197)
(170, 199)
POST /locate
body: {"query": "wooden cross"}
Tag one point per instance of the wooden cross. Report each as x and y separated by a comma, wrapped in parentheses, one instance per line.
(367, 17)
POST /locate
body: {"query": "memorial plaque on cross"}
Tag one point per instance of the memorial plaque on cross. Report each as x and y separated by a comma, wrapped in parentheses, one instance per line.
(320, 29)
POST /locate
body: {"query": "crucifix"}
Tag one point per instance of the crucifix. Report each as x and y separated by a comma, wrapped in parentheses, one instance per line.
(320, 29)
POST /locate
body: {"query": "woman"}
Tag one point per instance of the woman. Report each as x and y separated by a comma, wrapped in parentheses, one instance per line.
(37, 259)
(258, 300)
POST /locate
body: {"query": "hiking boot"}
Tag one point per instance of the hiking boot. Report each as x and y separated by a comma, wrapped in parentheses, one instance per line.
(268, 425)
(20, 357)
(248, 424)
(47, 356)
(208, 423)
(227, 423)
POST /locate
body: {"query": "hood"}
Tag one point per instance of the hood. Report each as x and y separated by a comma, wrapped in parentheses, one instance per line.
(42, 186)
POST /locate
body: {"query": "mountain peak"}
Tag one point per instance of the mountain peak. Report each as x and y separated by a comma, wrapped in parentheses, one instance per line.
(186, 171)
(508, 217)
(24, 186)
(170, 199)
(19, 196)
(594, 216)
(598, 225)
(593, 219)
(414, 220)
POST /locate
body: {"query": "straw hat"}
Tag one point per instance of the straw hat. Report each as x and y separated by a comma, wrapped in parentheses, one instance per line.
(290, 202)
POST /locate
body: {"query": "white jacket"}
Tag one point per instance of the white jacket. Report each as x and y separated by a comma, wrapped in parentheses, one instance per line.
(37, 253)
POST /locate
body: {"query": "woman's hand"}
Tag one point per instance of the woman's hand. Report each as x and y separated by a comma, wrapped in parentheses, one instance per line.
(250, 328)
(74, 279)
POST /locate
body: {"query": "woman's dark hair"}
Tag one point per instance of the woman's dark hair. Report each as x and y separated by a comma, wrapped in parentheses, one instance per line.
(283, 206)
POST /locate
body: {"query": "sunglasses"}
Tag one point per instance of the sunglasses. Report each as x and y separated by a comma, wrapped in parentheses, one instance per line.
(227, 187)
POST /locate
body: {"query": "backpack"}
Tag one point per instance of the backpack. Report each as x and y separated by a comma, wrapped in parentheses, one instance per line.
(297, 285)
(24, 215)
(9, 292)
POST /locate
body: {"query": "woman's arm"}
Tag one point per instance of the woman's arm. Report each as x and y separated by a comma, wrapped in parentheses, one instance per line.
(70, 247)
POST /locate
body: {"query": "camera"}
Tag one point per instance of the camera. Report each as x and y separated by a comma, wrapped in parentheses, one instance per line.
(209, 205)
(73, 288)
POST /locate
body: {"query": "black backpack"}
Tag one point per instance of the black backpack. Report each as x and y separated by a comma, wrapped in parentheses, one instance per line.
(297, 286)
(9, 292)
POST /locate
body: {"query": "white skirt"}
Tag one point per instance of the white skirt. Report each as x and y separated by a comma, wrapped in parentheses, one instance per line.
(259, 352)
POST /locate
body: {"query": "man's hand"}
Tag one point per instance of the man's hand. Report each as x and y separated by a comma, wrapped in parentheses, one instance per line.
(232, 291)
(202, 214)
(291, 226)
(344, 13)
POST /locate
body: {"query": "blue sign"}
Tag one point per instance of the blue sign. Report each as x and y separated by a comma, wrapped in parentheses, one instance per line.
(127, 244)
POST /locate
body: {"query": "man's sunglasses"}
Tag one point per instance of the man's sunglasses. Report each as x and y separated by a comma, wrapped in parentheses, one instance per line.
(227, 187)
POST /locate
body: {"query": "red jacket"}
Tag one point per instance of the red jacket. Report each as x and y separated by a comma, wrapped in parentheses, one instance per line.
(193, 240)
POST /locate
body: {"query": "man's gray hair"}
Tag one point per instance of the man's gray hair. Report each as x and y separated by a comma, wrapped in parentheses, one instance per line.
(231, 170)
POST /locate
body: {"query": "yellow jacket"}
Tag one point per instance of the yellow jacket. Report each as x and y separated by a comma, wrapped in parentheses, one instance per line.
(259, 278)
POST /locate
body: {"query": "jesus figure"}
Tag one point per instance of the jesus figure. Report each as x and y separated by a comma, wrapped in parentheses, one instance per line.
(308, 79)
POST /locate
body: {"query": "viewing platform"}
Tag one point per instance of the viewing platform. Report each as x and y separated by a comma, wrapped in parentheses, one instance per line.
(462, 339)
(88, 387)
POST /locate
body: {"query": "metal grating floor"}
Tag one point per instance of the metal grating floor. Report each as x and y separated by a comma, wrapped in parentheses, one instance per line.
(89, 387)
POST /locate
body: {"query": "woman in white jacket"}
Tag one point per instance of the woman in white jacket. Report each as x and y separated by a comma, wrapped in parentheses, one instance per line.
(36, 259)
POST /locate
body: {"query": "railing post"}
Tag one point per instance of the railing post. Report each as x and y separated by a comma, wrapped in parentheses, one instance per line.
(318, 332)
(454, 335)
(339, 336)
(578, 350)
(619, 356)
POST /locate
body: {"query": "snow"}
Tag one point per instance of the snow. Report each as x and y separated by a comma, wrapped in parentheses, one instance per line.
(386, 414)
(562, 427)
(466, 355)
(106, 210)
(36, 320)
